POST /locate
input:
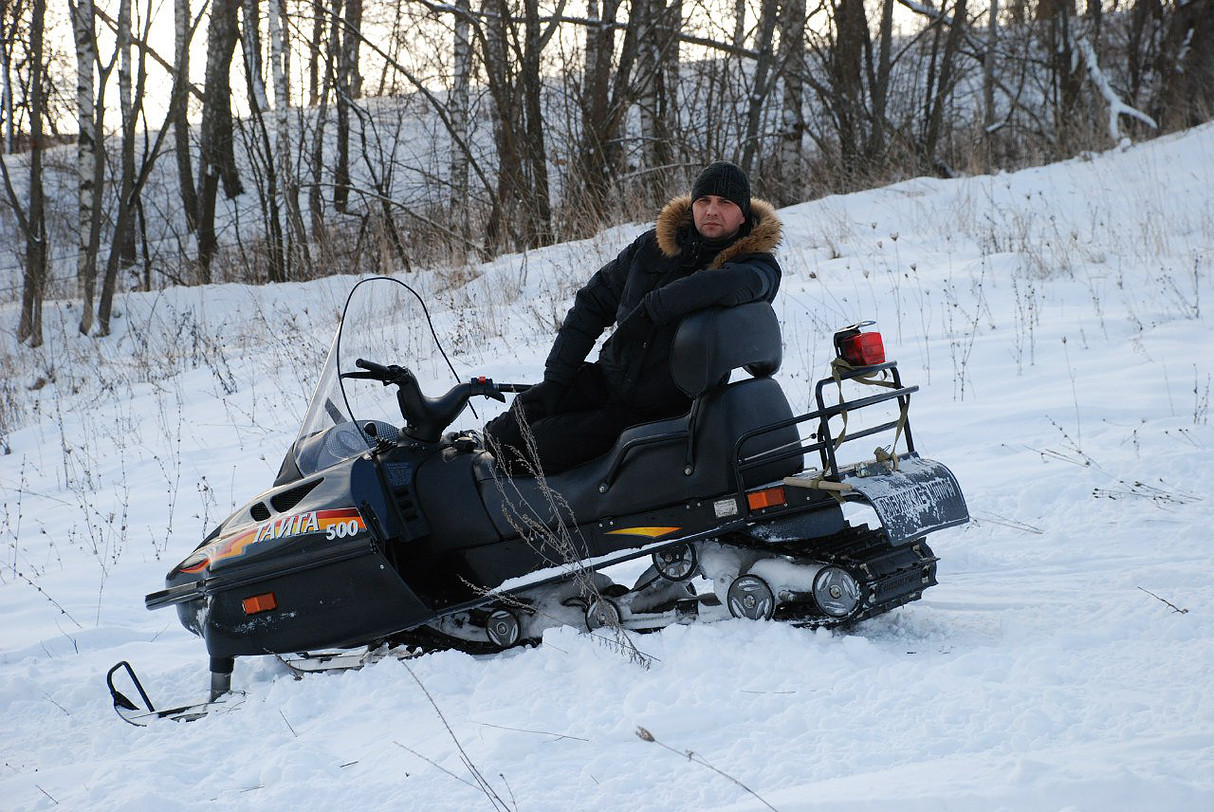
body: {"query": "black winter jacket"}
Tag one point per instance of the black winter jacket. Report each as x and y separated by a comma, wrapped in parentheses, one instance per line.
(668, 272)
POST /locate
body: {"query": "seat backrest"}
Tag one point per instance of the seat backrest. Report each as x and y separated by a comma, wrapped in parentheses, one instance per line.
(713, 342)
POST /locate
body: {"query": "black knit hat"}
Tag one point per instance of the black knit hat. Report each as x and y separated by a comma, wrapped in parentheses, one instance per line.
(726, 180)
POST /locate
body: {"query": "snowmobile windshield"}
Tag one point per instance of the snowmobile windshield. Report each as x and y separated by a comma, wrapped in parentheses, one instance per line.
(385, 321)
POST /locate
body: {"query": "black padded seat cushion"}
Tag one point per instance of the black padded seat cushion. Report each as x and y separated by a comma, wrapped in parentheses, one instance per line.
(712, 343)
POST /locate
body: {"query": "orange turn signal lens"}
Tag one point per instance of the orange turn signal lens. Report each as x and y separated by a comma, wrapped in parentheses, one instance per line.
(765, 498)
(260, 603)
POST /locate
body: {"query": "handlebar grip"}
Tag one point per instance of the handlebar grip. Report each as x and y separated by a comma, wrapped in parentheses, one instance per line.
(371, 366)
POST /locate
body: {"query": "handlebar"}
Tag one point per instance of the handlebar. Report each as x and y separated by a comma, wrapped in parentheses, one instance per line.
(377, 372)
(426, 418)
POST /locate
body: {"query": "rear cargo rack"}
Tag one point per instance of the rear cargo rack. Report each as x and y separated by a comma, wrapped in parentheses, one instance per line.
(826, 444)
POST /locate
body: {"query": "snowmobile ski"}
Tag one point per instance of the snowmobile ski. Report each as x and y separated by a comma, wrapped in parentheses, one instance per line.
(142, 716)
(303, 664)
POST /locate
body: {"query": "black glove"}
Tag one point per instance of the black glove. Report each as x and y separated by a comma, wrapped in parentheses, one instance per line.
(542, 399)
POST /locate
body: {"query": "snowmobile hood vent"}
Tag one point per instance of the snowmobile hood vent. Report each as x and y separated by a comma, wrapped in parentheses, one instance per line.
(286, 500)
(713, 342)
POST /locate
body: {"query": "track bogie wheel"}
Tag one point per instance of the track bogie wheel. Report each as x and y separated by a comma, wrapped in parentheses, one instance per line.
(602, 612)
(502, 628)
(750, 597)
(677, 563)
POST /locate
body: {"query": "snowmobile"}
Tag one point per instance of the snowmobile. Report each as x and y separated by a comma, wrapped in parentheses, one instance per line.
(380, 534)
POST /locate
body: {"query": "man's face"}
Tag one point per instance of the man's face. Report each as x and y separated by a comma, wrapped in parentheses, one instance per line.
(715, 217)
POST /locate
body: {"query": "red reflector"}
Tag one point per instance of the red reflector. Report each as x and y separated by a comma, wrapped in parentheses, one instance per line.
(260, 603)
(768, 497)
(863, 349)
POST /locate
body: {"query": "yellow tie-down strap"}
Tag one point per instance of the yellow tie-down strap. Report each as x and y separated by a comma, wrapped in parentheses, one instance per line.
(816, 481)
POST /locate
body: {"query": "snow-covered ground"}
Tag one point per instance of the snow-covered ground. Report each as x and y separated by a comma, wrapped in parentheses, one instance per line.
(1059, 323)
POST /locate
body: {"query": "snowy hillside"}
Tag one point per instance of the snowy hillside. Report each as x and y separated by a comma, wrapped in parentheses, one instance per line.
(1059, 324)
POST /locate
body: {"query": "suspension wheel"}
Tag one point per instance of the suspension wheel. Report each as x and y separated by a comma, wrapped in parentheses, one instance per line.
(602, 612)
(502, 628)
(677, 563)
(750, 597)
(836, 591)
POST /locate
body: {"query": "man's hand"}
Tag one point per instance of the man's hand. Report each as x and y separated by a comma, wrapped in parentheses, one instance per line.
(542, 399)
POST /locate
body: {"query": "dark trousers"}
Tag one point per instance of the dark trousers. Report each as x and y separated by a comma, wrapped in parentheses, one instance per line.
(583, 424)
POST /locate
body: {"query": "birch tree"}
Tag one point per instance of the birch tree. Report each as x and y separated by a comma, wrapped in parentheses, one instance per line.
(790, 182)
(10, 35)
(461, 81)
(89, 168)
(658, 48)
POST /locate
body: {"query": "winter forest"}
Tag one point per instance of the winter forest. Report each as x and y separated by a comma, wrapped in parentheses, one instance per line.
(250, 141)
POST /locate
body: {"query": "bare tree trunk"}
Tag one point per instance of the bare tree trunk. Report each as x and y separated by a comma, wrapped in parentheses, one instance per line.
(216, 148)
(126, 238)
(348, 86)
(314, 55)
(34, 287)
(648, 96)
(259, 105)
(989, 66)
(1067, 77)
(280, 66)
(316, 205)
(250, 39)
(460, 82)
(1184, 65)
(944, 88)
(122, 249)
(671, 66)
(880, 88)
(647, 78)
(658, 48)
(539, 205)
(847, 82)
(500, 230)
(350, 47)
(1143, 18)
(9, 25)
(511, 53)
(759, 87)
(87, 163)
(789, 183)
(592, 174)
(182, 36)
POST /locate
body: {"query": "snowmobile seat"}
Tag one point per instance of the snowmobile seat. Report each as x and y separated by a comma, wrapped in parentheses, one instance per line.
(687, 457)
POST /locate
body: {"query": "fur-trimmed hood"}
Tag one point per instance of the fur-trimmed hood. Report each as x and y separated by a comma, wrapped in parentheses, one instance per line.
(765, 232)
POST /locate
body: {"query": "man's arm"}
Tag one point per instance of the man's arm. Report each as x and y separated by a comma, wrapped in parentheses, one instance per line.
(593, 311)
(749, 278)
